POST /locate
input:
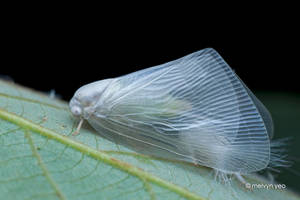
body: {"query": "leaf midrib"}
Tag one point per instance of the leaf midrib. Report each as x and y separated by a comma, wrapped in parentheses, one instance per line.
(102, 156)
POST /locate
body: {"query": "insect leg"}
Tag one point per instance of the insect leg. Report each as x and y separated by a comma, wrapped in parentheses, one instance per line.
(78, 127)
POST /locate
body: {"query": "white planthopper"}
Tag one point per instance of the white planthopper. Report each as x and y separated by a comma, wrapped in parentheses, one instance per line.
(194, 109)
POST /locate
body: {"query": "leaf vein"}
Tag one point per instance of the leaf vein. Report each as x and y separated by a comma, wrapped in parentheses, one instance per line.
(32, 101)
(43, 167)
(130, 169)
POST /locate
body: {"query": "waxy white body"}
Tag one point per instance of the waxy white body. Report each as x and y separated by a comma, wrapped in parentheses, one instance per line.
(194, 109)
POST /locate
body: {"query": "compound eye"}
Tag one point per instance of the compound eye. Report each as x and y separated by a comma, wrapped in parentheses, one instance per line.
(76, 110)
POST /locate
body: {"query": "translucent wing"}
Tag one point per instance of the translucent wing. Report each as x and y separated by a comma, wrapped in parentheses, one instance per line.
(194, 108)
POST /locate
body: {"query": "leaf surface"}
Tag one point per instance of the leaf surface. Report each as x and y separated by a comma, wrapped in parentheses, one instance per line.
(40, 159)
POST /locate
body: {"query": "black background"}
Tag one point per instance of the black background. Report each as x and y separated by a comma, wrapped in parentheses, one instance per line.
(63, 52)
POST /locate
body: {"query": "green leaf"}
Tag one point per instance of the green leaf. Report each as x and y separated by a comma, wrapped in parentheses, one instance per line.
(40, 159)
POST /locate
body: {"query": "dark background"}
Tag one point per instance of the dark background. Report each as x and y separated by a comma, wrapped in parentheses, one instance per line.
(62, 51)
(66, 52)
(64, 59)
